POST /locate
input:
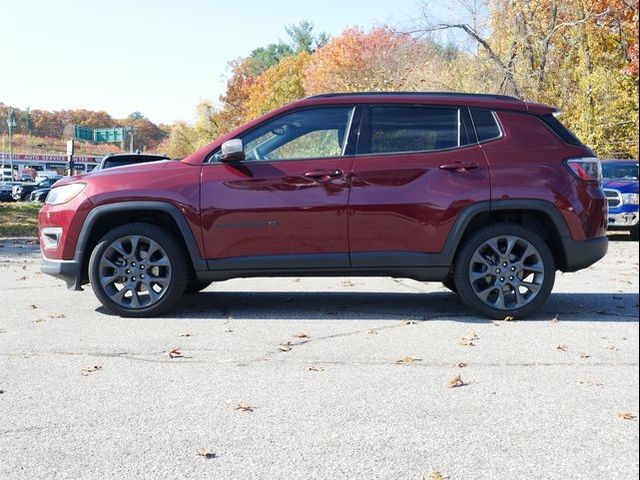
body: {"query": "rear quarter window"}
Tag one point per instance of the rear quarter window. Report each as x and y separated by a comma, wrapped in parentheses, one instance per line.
(486, 125)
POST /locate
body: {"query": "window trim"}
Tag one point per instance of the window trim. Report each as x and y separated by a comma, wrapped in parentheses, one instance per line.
(495, 118)
(365, 129)
(353, 124)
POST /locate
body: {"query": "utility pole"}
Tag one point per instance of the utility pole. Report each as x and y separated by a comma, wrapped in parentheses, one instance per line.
(130, 132)
(11, 122)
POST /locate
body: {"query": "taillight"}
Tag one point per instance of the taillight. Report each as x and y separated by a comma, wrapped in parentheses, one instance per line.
(587, 169)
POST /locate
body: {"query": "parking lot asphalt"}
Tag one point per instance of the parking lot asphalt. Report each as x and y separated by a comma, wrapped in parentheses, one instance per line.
(319, 378)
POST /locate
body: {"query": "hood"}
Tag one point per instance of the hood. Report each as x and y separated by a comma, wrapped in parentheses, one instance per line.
(624, 186)
(148, 167)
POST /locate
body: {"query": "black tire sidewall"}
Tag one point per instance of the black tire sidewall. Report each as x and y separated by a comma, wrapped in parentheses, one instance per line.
(463, 260)
(174, 252)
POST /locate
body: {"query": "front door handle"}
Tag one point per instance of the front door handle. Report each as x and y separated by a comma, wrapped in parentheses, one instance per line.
(324, 175)
(459, 166)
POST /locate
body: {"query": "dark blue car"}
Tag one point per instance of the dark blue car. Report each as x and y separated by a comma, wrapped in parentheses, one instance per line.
(620, 184)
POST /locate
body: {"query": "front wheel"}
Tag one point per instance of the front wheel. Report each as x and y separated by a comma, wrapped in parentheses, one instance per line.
(505, 270)
(138, 270)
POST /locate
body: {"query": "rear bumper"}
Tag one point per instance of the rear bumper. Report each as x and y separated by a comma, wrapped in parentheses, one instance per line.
(67, 270)
(584, 253)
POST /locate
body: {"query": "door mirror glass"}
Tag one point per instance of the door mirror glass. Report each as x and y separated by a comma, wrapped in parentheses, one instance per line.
(232, 151)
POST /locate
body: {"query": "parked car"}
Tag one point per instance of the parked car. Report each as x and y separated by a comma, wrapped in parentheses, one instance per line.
(122, 159)
(22, 191)
(6, 176)
(39, 195)
(6, 189)
(620, 184)
(486, 193)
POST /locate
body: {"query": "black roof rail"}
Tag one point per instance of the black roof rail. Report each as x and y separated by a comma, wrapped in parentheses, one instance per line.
(430, 94)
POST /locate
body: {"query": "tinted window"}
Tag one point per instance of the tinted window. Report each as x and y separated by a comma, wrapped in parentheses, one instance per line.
(486, 126)
(310, 133)
(411, 129)
(563, 132)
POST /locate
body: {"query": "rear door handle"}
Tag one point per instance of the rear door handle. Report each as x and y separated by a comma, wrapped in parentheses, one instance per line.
(324, 175)
(459, 166)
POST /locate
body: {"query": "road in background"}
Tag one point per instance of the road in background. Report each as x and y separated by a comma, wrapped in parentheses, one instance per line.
(321, 378)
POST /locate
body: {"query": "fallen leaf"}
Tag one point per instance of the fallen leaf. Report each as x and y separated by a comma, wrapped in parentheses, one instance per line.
(436, 476)
(408, 322)
(555, 319)
(562, 348)
(228, 330)
(33, 306)
(456, 382)
(408, 359)
(185, 335)
(584, 355)
(301, 335)
(206, 453)
(315, 369)
(613, 348)
(460, 365)
(627, 416)
(1, 392)
(39, 320)
(91, 369)
(372, 332)
(466, 342)
(284, 348)
(243, 407)
(23, 278)
(175, 353)
(58, 315)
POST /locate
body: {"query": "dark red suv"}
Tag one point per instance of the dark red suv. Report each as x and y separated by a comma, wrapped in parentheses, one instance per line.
(485, 193)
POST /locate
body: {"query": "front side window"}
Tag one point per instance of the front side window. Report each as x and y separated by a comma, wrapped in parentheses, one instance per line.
(397, 129)
(309, 133)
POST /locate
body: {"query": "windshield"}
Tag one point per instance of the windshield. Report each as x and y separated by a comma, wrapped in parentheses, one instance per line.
(620, 170)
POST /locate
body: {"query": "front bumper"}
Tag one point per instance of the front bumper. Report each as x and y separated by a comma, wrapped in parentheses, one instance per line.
(624, 220)
(584, 253)
(67, 270)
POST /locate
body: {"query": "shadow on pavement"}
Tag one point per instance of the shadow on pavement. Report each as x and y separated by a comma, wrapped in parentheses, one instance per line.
(595, 307)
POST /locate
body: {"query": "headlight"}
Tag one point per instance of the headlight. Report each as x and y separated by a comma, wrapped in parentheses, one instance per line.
(64, 194)
(630, 198)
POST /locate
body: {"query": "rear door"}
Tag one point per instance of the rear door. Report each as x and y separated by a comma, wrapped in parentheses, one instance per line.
(417, 167)
(285, 205)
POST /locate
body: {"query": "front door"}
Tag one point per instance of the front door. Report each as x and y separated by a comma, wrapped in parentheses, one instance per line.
(285, 205)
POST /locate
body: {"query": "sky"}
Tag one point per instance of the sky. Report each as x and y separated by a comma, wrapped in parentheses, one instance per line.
(158, 57)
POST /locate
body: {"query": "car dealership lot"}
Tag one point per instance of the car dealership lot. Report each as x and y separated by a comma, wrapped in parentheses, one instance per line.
(299, 378)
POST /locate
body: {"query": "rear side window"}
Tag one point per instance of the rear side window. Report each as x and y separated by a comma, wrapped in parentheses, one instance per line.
(563, 132)
(486, 125)
(397, 129)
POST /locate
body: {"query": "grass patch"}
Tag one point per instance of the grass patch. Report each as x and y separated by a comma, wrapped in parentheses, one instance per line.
(19, 219)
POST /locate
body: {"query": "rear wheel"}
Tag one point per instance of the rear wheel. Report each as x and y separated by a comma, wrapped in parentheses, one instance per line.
(505, 270)
(450, 284)
(138, 270)
(634, 233)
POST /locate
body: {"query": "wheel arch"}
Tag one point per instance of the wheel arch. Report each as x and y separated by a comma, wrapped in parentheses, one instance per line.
(105, 217)
(538, 215)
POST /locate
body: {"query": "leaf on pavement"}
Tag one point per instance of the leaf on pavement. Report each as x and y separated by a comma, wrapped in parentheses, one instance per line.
(613, 348)
(408, 359)
(584, 355)
(301, 335)
(33, 306)
(185, 335)
(313, 368)
(460, 365)
(408, 322)
(58, 315)
(91, 369)
(175, 353)
(435, 475)
(627, 416)
(509, 318)
(206, 453)
(466, 342)
(555, 319)
(243, 407)
(562, 348)
(284, 348)
(39, 320)
(456, 382)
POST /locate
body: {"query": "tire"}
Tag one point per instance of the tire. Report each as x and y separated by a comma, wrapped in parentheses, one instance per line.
(634, 233)
(518, 276)
(134, 260)
(195, 286)
(450, 284)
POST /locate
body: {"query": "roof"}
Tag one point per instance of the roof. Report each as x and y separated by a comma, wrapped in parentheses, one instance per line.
(480, 100)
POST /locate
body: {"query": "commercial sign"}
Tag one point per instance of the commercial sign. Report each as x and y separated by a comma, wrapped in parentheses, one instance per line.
(35, 157)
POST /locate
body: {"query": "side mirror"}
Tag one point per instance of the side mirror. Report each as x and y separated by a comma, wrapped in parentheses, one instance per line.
(232, 151)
